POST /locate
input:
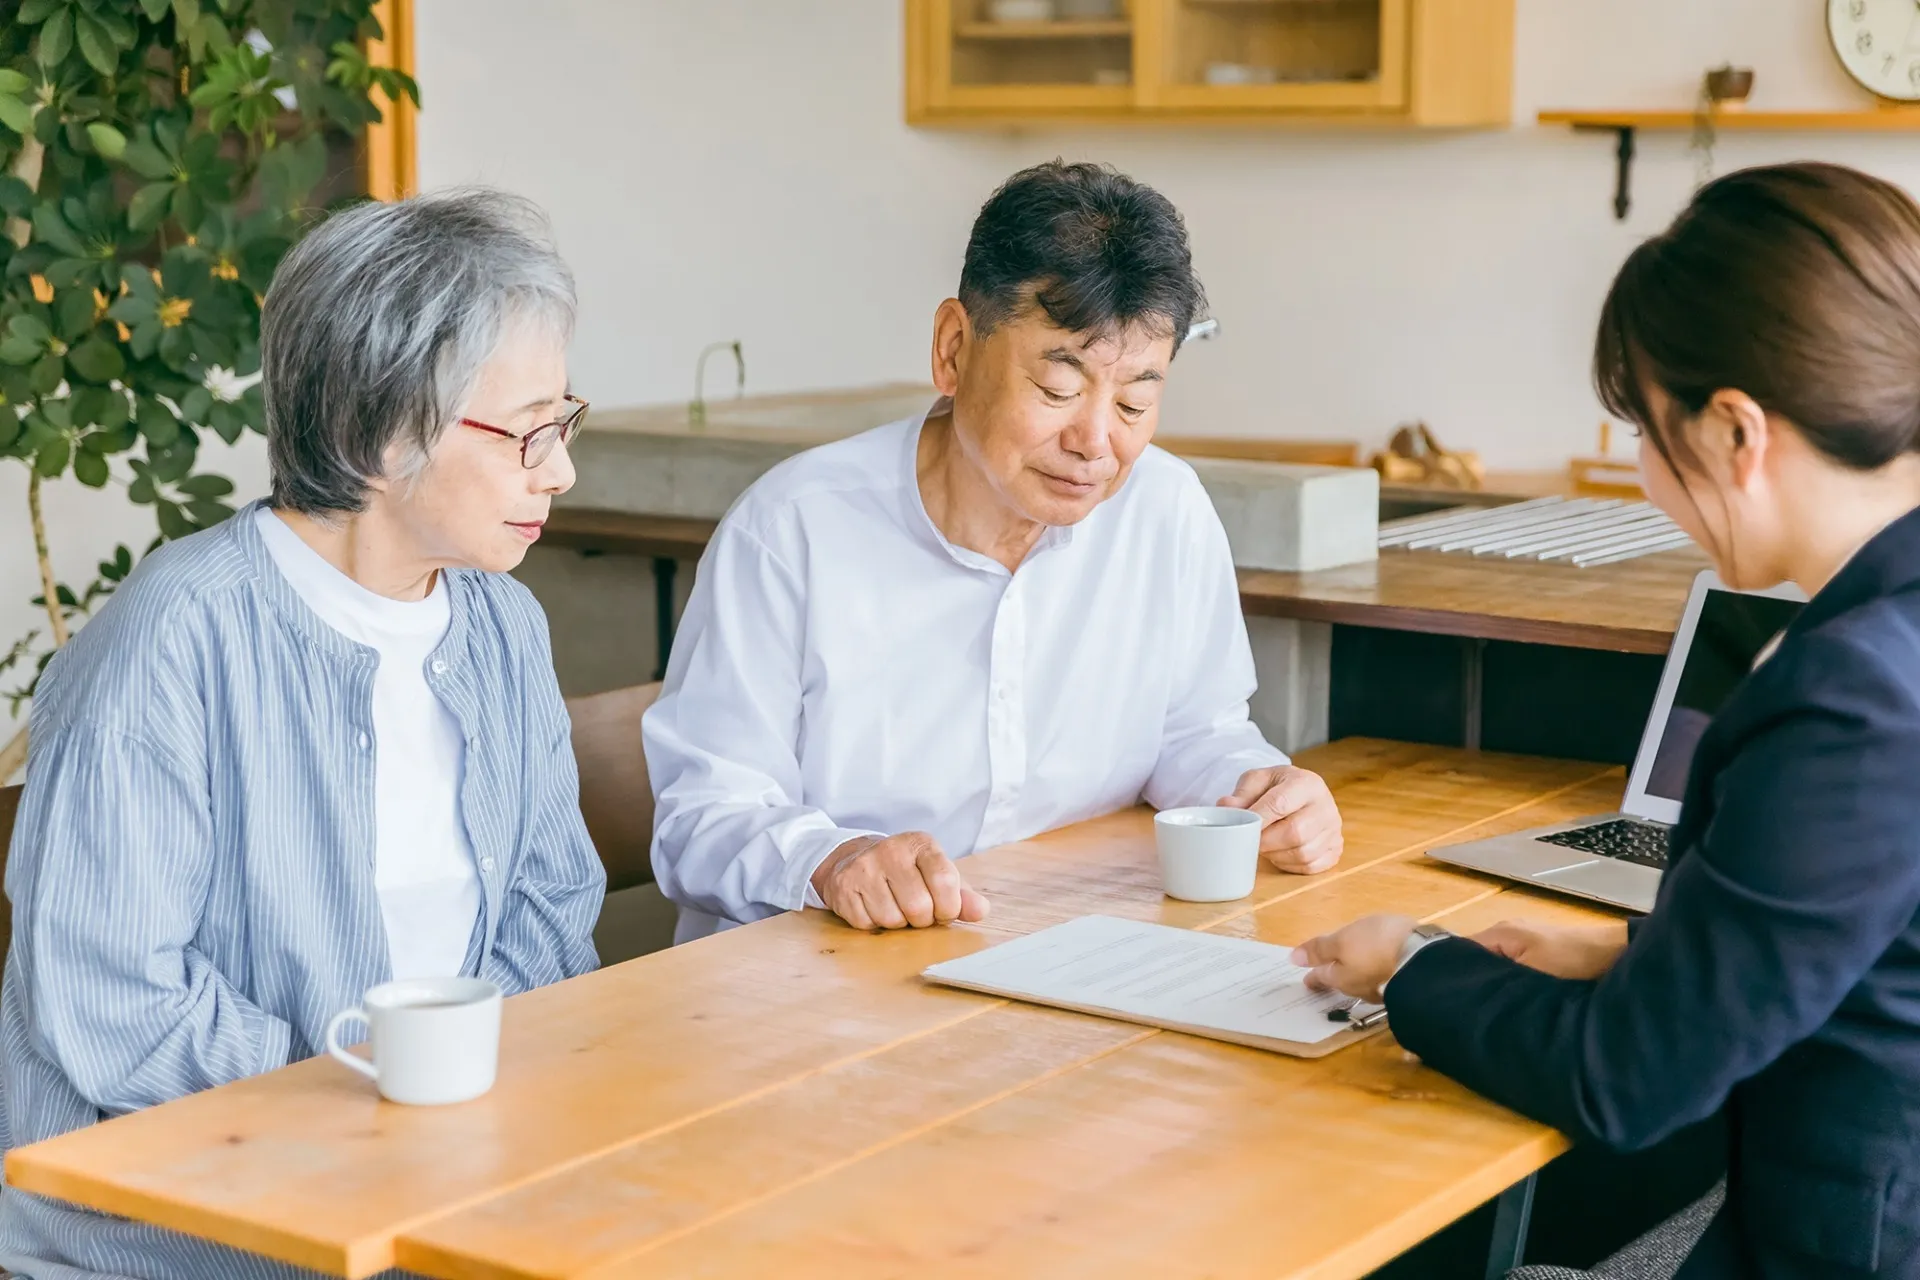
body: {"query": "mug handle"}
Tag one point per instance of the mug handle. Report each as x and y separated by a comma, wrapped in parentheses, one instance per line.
(359, 1064)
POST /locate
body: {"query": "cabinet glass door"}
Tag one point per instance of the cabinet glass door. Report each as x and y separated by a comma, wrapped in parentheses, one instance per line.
(1062, 55)
(1262, 55)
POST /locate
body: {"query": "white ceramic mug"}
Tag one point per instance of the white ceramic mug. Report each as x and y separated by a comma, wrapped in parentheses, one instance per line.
(1208, 854)
(435, 1040)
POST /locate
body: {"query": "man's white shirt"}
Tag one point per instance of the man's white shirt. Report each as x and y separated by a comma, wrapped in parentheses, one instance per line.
(843, 670)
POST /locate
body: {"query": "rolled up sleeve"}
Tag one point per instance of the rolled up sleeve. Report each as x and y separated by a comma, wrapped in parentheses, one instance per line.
(108, 875)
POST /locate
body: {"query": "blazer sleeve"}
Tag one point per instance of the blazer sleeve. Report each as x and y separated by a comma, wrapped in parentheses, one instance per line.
(1808, 871)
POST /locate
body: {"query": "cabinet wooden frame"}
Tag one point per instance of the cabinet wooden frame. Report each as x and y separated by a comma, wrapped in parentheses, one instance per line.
(1438, 64)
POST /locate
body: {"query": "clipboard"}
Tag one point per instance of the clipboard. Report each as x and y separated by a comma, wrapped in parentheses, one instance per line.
(1198, 984)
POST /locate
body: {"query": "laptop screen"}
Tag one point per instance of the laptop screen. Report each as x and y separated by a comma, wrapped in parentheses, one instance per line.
(1734, 633)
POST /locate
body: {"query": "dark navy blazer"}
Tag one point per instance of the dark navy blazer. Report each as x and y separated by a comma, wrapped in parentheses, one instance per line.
(1778, 975)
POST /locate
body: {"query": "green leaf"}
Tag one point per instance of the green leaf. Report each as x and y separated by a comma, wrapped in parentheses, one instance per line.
(87, 404)
(119, 28)
(90, 469)
(74, 309)
(145, 340)
(209, 35)
(34, 12)
(206, 486)
(141, 490)
(96, 46)
(18, 350)
(9, 428)
(13, 82)
(107, 140)
(53, 455)
(158, 425)
(48, 373)
(154, 9)
(148, 206)
(185, 13)
(226, 421)
(117, 417)
(16, 197)
(173, 521)
(106, 442)
(97, 359)
(171, 463)
(16, 115)
(29, 325)
(196, 404)
(56, 38)
(48, 226)
(148, 160)
(56, 416)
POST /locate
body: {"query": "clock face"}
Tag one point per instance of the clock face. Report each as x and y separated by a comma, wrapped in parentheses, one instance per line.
(1879, 44)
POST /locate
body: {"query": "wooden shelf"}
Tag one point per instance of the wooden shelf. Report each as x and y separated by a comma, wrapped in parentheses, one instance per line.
(1874, 119)
(1105, 29)
(1624, 124)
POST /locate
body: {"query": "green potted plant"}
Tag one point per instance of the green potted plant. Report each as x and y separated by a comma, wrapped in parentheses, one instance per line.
(157, 157)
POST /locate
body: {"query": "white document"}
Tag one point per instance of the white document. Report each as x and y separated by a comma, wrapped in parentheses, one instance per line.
(1156, 974)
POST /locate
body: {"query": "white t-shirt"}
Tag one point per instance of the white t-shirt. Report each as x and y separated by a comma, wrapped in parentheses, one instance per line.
(423, 861)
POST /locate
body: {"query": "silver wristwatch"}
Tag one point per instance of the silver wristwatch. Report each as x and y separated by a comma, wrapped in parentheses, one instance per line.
(1423, 935)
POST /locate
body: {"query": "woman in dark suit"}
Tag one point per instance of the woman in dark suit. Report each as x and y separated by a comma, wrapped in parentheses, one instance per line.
(1768, 347)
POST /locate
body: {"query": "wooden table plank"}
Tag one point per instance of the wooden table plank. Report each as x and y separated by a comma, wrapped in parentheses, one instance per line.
(305, 1165)
(1175, 1157)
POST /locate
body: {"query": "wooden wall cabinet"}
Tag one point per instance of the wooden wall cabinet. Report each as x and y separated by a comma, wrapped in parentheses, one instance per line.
(1433, 63)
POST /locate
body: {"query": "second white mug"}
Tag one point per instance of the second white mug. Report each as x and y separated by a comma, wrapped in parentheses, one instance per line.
(1208, 854)
(434, 1040)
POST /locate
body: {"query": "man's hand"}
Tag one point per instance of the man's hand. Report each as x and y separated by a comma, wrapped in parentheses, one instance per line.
(901, 881)
(1299, 822)
(1358, 959)
(1578, 951)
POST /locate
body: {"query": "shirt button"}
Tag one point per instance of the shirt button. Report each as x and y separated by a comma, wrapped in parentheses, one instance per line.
(439, 667)
(486, 864)
(364, 741)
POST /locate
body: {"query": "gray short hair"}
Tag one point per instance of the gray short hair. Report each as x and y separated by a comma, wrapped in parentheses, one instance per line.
(376, 328)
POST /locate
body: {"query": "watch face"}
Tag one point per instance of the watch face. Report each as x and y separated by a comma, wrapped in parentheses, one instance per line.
(1879, 44)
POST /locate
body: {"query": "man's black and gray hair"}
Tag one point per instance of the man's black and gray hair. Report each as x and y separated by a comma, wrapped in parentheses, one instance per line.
(376, 328)
(1095, 251)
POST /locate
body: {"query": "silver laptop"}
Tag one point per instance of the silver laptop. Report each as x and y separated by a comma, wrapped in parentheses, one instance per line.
(1618, 858)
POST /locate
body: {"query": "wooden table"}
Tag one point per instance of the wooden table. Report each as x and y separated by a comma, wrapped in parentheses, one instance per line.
(789, 1099)
(1631, 607)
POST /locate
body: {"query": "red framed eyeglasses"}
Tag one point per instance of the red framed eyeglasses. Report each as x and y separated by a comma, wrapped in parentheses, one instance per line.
(537, 445)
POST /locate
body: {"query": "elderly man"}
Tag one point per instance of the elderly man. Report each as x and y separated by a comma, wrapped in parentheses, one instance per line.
(320, 745)
(969, 627)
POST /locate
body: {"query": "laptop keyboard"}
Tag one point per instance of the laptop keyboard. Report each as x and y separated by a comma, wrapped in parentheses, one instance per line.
(1642, 843)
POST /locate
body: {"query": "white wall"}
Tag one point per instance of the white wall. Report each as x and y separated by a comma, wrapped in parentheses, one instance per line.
(723, 168)
(738, 168)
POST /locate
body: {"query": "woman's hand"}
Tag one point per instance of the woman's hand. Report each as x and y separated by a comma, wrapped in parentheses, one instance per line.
(1576, 951)
(1358, 959)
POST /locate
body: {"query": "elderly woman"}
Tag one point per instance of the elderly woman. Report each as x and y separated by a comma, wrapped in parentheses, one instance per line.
(971, 626)
(318, 746)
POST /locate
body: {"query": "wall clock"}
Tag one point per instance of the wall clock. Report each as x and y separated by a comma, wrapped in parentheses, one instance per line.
(1878, 42)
